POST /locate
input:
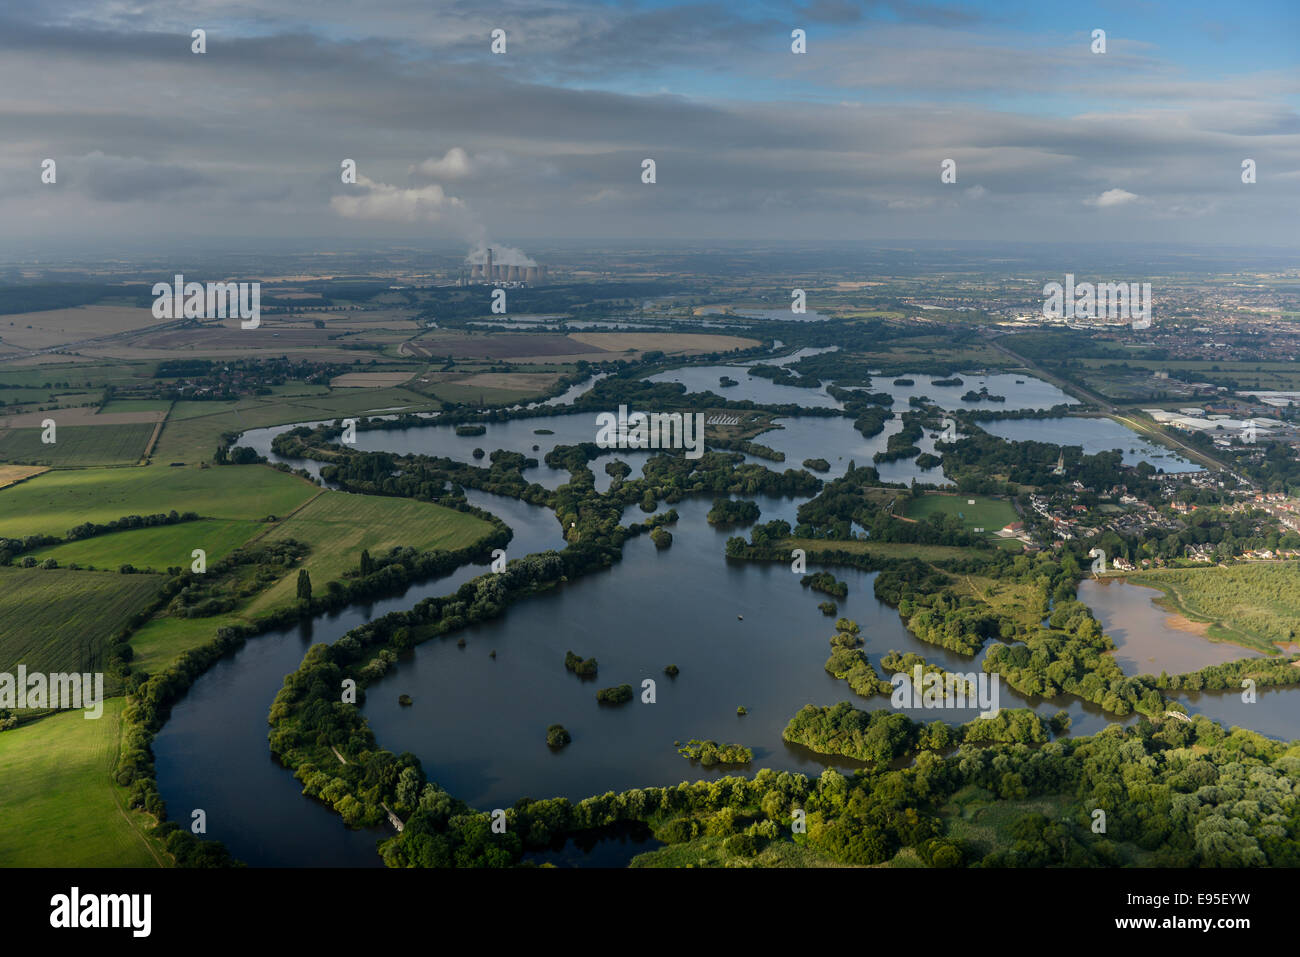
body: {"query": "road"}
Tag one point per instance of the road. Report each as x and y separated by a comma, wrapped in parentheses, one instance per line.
(97, 340)
(1141, 426)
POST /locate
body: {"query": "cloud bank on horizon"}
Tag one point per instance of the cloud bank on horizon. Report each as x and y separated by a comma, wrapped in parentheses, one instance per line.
(901, 120)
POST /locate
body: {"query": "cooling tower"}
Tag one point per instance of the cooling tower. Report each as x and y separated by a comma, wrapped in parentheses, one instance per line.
(488, 275)
(513, 274)
(530, 274)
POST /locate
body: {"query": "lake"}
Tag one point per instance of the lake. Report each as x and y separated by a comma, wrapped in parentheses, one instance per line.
(742, 634)
(1095, 434)
(1146, 641)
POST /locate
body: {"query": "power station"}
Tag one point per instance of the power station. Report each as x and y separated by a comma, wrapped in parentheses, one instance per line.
(489, 272)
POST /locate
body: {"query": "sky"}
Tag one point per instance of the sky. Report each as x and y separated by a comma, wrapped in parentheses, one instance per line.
(1049, 141)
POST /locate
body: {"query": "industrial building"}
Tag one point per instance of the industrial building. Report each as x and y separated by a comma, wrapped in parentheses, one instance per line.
(490, 272)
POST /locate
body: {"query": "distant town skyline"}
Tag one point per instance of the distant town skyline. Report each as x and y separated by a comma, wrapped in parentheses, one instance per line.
(453, 143)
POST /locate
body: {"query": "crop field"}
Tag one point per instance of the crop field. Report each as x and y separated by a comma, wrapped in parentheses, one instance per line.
(299, 389)
(554, 347)
(672, 343)
(61, 805)
(53, 503)
(487, 388)
(56, 327)
(30, 400)
(77, 445)
(989, 514)
(454, 391)
(135, 405)
(1274, 376)
(469, 345)
(232, 343)
(194, 428)
(1255, 604)
(57, 620)
(80, 415)
(9, 474)
(55, 373)
(338, 527)
(156, 548)
(345, 321)
(368, 380)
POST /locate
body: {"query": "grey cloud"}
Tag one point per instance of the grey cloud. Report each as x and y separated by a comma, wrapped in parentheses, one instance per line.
(251, 134)
(123, 179)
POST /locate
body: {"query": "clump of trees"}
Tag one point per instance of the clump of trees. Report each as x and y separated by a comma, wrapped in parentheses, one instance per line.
(618, 694)
(849, 663)
(826, 583)
(582, 667)
(710, 753)
(725, 511)
(882, 735)
(902, 444)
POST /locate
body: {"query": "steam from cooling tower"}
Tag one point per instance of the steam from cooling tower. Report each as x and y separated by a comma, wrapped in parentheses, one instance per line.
(501, 255)
(490, 264)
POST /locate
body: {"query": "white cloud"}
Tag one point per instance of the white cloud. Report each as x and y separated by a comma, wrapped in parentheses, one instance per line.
(455, 165)
(599, 196)
(1112, 197)
(395, 204)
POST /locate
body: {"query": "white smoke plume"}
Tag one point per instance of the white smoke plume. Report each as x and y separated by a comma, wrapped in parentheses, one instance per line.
(431, 203)
(501, 255)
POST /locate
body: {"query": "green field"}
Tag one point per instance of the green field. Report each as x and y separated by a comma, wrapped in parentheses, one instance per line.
(1255, 604)
(57, 501)
(61, 805)
(78, 375)
(136, 405)
(194, 428)
(14, 399)
(476, 394)
(56, 620)
(77, 445)
(161, 641)
(926, 553)
(338, 526)
(156, 548)
(65, 806)
(299, 389)
(989, 514)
